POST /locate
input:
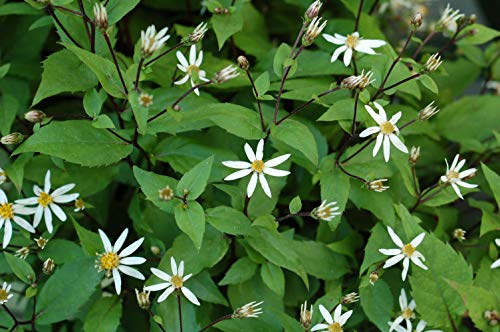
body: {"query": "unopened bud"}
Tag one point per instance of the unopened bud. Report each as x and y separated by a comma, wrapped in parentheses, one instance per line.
(313, 10)
(373, 277)
(251, 309)
(306, 316)
(11, 139)
(472, 19)
(48, 266)
(143, 299)
(35, 116)
(155, 250)
(243, 62)
(350, 298)
(100, 16)
(414, 155)
(416, 21)
(428, 112)
(197, 34)
(226, 74)
(177, 108)
(433, 63)
(313, 30)
(358, 81)
(459, 234)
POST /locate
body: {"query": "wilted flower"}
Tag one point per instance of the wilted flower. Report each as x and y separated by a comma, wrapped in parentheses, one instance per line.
(387, 131)
(9, 213)
(325, 211)
(405, 252)
(428, 112)
(191, 68)
(416, 21)
(313, 10)
(407, 312)
(373, 277)
(454, 177)
(352, 43)
(226, 74)
(257, 167)
(79, 205)
(197, 34)
(350, 298)
(41, 242)
(335, 322)
(48, 266)
(243, 62)
(313, 30)
(46, 202)
(358, 81)
(35, 116)
(152, 41)
(492, 317)
(5, 294)
(497, 262)
(101, 16)
(248, 310)
(143, 299)
(433, 63)
(11, 139)
(377, 185)
(113, 262)
(166, 194)
(459, 234)
(173, 283)
(23, 252)
(448, 20)
(3, 176)
(306, 315)
(414, 155)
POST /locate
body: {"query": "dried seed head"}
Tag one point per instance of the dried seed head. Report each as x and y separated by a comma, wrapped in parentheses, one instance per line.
(306, 316)
(251, 309)
(143, 299)
(416, 21)
(23, 252)
(10, 139)
(377, 185)
(197, 34)
(313, 10)
(48, 266)
(41, 242)
(433, 63)
(428, 112)
(100, 16)
(313, 30)
(243, 62)
(350, 298)
(373, 277)
(414, 155)
(226, 74)
(35, 116)
(358, 82)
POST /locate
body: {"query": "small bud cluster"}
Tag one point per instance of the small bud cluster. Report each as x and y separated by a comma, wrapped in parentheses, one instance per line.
(221, 11)
(11, 139)
(492, 317)
(414, 155)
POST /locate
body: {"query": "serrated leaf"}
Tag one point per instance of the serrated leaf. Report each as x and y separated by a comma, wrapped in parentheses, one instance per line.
(226, 25)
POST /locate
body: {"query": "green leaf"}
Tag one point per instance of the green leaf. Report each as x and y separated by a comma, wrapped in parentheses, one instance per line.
(226, 25)
(13, 8)
(4, 69)
(295, 205)
(478, 300)
(262, 84)
(282, 53)
(273, 277)
(229, 220)
(195, 180)
(103, 121)
(319, 260)
(493, 180)
(78, 278)
(8, 111)
(191, 220)
(297, 136)
(62, 251)
(104, 315)
(482, 34)
(117, 9)
(429, 83)
(15, 171)
(335, 186)
(241, 270)
(78, 142)
(235, 119)
(21, 268)
(151, 184)
(64, 72)
(377, 303)
(90, 241)
(205, 289)
(93, 101)
(140, 112)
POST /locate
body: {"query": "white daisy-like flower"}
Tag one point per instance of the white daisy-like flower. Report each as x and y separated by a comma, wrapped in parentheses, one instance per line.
(3, 176)
(405, 252)
(251, 309)
(5, 294)
(257, 167)
(191, 68)
(152, 41)
(113, 262)
(497, 262)
(351, 43)
(387, 131)
(407, 312)
(325, 211)
(454, 177)
(335, 322)
(9, 213)
(174, 282)
(47, 202)
(420, 327)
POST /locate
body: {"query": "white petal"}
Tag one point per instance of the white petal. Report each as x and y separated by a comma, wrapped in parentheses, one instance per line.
(345, 317)
(387, 148)
(65, 198)
(396, 322)
(466, 185)
(403, 300)
(238, 174)
(237, 164)
(131, 248)
(412, 305)
(326, 314)
(390, 252)
(118, 281)
(397, 143)
(395, 238)
(275, 172)
(347, 57)
(157, 287)
(455, 161)
(418, 262)
(38, 216)
(252, 184)
(393, 260)
(372, 43)
(190, 296)
(395, 118)
(182, 59)
(58, 212)
(259, 153)
(493, 266)
(7, 235)
(28, 201)
(180, 270)
(406, 265)
(333, 40)
(340, 37)
(318, 327)
(192, 55)
(457, 190)
(364, 49)
(3, 197)
(131, 272)
(378, 144)
(463, 174)
(421, 326)
(173, 265)
(46, 187)
(160, 274)
(249, 152)
(165, 294)
(24, 210)
(105, 241)
(373, 114)
(62, 190)
(48, 219)
(121, 240)
(24, 224)
(265, 185)
(416, 241)
(369, 131)
(182, 80)
(199, 61)
(460, 165)
(337, 314)
(277, 161)
(132, 260)
(337, 53)
(381, 112)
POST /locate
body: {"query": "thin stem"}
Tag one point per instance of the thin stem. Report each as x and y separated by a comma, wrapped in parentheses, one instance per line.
(258, 100)
(245, 206)
(450, 42)
(409, 123)
(180, 310)
(374, 6)
(163, 53)
(353, 127)
(158, 324)
(358, 17)
(291, 215)
(136, 84)
(119, 136)
(424, 42)
(52, 13)
(299, 37)
(10, 313)
(359, 150)
(309, 102)
(85, 19)
(92, 38)
(70, 11)
(339, 165)
(424, 193)
(218, 320)
(401, 82)
(415, 180)
(108, 42)
(33, 315)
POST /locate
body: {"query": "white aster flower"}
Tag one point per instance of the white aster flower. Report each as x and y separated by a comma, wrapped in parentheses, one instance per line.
(175, 282)
(191, 68)
(497, 262)
(325, 211)
(387, 131)
(420, 327)
(113, 262)
(152, 41)
(335, 322)
(454, 177)
(407, 312)
(352, 43)
(251, 309)
(3, 176)
(5, 294)
(448, 20)
(405, 252)
(8, 214)
(358, 82)
(47, 202)
(257, 167)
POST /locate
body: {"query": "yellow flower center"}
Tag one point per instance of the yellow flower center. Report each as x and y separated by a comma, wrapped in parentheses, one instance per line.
(109, 261)
(258, 166)
(387, 128)
(452, 175)
(4, 295)
(335, 327)
(407, 313)
(408, 250)
(146, 100)
(324, 212)
(191, 69)
(166, 193)
(352, 41)
(177, 282)
(79, 204)
(45, 199)
(6, 211)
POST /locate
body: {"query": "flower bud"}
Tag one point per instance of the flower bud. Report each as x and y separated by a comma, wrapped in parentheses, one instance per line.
(143, 299)
(416, 21)
(100, 16)
(48, 266)
(251, 309)
(472, 19)
(306, 316)
(377, 185)
(11, 139)
(459, 234)
(350, 298)
(373, 277)
(155, 250)
(41, 242)
(197, 34)
(358, 82)
(226, 74)
(313, 10)
(433, 63)
(414, 155)
(428, 112)
(35, 116)
(166, 194)
(243, 62)
(313, 30)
